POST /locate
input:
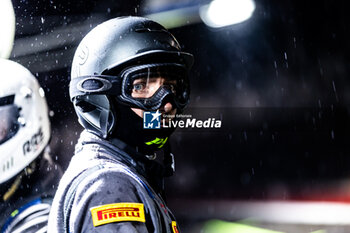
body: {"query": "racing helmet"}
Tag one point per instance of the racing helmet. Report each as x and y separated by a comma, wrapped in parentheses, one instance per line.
(24, 122)
(111, 57)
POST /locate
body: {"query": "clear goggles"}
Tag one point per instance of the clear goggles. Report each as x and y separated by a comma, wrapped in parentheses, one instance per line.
(8, 122)
(145, 86)
(150, 86)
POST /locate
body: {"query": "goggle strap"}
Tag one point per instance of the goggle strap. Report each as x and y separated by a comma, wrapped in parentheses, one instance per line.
(95, 84)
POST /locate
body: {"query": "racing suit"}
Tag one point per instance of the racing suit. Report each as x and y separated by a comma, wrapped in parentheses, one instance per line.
(26, 199)
(109, 187)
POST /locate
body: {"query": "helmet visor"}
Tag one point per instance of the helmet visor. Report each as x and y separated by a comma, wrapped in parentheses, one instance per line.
(8, 122)
(148, 85)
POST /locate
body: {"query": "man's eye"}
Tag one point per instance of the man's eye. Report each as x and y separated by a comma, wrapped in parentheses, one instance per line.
(138, 87)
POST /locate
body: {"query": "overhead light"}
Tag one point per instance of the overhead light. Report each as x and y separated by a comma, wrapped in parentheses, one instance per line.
(220, 13)
(174, 18)
(7, 28)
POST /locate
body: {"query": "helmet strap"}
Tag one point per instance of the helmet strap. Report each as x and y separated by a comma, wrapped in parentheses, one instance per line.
(18, 180)
(13, 188)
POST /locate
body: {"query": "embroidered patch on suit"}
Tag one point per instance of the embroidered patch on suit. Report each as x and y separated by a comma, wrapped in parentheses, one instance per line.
(117, 212)
(174, 226)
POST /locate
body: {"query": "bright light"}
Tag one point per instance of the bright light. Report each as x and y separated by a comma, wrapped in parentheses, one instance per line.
(220, 13)
(7, 28)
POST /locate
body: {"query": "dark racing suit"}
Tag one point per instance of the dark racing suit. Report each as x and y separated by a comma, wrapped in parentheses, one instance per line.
(109, 187)
(26, 199)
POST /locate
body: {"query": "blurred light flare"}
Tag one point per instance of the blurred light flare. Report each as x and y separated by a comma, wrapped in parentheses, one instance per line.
(250, 215)
(218, 226)
(220, 13)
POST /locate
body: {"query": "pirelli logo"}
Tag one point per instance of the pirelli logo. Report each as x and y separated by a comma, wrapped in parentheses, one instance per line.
(117, 212)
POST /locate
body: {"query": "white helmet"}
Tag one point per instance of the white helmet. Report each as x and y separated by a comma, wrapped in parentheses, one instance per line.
(24, 122)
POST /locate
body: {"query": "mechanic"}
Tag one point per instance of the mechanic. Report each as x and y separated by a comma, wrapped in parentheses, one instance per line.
(123, 70)
(28, 175)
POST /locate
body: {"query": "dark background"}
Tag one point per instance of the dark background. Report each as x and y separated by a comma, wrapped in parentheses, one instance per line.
(279, 82)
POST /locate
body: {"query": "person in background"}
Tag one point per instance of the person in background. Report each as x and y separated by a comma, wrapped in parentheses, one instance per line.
(126, 72)
(28, 176)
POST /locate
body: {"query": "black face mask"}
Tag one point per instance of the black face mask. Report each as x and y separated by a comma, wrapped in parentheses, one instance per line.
(129, 129)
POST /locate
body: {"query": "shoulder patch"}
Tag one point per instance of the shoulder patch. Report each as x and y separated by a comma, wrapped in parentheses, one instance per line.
(174, 226)
(117, 212)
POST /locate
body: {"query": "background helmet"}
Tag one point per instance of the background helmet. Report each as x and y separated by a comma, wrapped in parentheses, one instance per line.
(108, 58)
(24, 123)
